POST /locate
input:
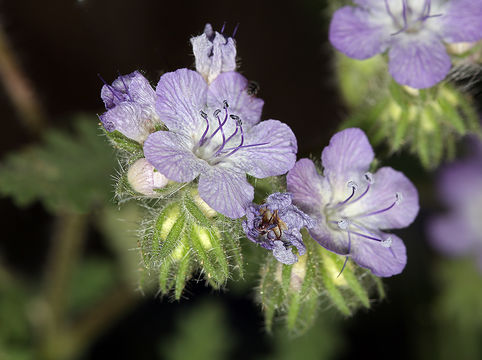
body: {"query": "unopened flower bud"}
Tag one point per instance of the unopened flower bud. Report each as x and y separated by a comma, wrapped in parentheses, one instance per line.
(144, 178)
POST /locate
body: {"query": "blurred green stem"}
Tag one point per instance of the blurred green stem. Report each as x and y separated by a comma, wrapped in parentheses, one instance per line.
(69, 233)
(19, 88)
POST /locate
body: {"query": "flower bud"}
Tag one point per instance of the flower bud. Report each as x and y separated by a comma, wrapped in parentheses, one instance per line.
(144, 178)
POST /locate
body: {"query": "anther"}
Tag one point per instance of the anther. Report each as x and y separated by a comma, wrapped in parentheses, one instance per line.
(234, 117)
(216, 112)
(369, 177)
(343, 224)
(352, 184)
(203, 114)
(387, 242)
(398, 198)
(225, 105)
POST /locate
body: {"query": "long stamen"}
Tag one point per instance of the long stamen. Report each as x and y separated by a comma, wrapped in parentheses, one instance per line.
(346, 259)
(205, 117)
(112, 90)
(354, 187)
(216, 113)
(235, 30)
(236, 118)
(396, 202)
(125, 86)
(389, 11)
(241, 143)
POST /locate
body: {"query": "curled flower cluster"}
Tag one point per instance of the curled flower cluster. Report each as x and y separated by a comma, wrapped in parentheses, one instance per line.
(203, 128)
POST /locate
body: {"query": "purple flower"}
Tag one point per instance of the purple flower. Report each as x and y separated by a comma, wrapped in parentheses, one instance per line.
(413, 32)
(214, 134)
(459, 232)
(130, 103)
(352, 206)
(275, 225)
(214, 53)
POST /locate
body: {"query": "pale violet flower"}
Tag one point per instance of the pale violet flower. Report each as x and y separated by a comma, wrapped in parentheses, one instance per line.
(459, 231)
(144, 178)
(214, 54)
(413, 32)
(352, 207)
(215, 134)
(275, 225)
(130, 103)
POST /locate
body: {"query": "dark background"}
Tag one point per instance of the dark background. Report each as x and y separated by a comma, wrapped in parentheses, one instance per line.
(62, 45)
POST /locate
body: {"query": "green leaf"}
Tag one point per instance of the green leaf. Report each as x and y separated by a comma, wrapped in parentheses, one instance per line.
(182, 273)
(66, 172)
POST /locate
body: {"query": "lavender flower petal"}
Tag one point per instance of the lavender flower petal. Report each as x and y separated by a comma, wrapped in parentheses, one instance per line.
(181, 95)
(171, 155)
(348, 155)
(451, 234)
(390, 187)
(231, 86)
(419, 62)
(460, 181)
(310, 190)
(276, 156)
(461, 22)
(284, 255)
(226, 191)
(380, 260)
(358, 34)
(130, 119)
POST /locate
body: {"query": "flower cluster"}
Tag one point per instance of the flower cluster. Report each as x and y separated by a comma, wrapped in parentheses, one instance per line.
(203, 128)
(412, 31)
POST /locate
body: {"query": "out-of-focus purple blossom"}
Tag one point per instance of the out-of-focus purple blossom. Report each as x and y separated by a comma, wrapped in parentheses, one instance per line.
(413, 32)
(144, 178)
(214, 53)
(352, 207)
(276, 225)
(214, 133)
(459, 231)
(130, 103)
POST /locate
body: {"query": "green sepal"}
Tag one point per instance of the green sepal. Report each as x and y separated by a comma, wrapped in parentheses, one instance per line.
(122, 142)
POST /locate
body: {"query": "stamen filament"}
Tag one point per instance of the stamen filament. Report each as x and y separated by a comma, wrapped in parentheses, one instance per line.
(205, 117)
(346, 259)
(125, 86)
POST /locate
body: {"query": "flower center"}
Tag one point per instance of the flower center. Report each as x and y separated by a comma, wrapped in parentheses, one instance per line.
(269, 226)
(216, 146)
(408, 19)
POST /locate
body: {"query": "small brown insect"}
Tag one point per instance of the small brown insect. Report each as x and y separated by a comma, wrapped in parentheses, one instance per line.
(271, 222)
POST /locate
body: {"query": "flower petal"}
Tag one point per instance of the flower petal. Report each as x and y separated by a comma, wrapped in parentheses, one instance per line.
(380, 260)
(419, 61)
(310, 190)
(348, 156)
(388, 185)
(284, 255)
(462, 21)
(276, 156)
(332, 240)
(226, 191)
(460, 181)
(451, 235)
(129, 119)
(358, 33)
(231, 86)
(181, 95)
(171, 155)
